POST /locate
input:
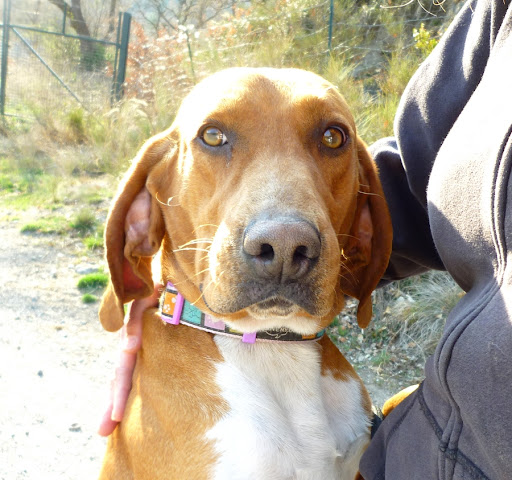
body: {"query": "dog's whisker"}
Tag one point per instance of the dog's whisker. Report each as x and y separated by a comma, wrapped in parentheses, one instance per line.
(343, 265)
(168, 203)
(349, 271)
(202, 271)
(369, 194)
(215, 280)
(342, 276)
(177, 283)
(199, 240)
(204, 258)
(345, 275)
(196, 241)
(335, 293)
(205, 225)
(193, 261)
(191, 249)
(203, 292)
(351, 277)
(346, 235)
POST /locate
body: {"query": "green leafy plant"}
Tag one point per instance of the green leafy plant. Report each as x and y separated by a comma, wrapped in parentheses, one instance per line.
(424, 41)
(6, 183)
(93, 281)
(84, 222)
(93, 242)
(89, 298)
(77, 125)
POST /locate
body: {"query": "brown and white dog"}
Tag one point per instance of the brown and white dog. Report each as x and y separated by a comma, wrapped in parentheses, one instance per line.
(267, 210)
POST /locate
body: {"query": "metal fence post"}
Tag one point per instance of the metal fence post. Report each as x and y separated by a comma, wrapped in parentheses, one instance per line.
(5, 48)
(123, 55)
(64, 18)
(331, 21)
(113, 89)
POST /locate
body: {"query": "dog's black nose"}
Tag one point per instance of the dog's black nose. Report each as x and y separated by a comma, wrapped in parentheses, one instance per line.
(283, 249)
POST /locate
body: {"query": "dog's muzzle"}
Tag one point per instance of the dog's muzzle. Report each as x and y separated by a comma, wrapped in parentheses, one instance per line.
(282, 249)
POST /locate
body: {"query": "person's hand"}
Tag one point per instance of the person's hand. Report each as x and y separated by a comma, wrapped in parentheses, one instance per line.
(131, 341)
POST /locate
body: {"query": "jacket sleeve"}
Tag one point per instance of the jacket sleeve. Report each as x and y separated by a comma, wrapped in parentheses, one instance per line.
(431, 103)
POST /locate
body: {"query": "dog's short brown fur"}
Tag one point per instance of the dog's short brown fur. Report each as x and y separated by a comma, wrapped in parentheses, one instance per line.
(204, 206)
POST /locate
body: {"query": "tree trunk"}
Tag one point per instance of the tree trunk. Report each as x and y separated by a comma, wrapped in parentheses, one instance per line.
(89, 51)
(112, 17)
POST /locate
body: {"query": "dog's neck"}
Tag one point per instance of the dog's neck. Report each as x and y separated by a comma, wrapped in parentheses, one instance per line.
(175, 309)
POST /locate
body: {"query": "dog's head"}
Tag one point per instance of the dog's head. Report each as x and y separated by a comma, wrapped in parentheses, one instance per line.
(265, 203)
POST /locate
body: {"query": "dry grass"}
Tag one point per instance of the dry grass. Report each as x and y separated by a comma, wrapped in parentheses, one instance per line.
(417, 311)
(409, 317)
(373, 55)
(66, 155)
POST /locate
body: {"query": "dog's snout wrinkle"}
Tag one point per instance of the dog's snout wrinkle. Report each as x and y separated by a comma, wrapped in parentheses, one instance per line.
(281, 249)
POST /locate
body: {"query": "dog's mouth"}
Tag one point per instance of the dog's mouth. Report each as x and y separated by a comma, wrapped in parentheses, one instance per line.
(264, 299)
(275, 306)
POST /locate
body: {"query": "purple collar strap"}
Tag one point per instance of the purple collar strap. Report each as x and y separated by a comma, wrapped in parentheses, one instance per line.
(174, 309)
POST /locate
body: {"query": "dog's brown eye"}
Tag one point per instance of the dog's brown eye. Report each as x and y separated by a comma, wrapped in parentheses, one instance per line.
(334, 137)
(213, 136)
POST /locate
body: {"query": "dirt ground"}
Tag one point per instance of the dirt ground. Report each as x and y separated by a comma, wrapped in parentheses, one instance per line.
(55, 360)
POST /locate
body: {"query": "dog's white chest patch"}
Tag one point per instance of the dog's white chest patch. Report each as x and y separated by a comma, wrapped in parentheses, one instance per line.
(286, 420)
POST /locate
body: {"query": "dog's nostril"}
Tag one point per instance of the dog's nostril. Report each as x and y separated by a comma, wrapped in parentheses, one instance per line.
(300, 253)
(267, 252)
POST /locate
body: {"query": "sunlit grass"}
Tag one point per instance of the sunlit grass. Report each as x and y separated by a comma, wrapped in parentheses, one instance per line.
(93, 281)
(47, 225)
(89, 298)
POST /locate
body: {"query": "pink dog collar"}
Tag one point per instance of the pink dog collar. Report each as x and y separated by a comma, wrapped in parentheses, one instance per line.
(175, 310)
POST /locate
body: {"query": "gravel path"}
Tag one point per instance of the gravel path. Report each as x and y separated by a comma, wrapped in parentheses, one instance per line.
(55, 362)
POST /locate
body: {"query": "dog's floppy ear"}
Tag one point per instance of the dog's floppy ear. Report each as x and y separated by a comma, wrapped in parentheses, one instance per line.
(133, 234)
(367, 252)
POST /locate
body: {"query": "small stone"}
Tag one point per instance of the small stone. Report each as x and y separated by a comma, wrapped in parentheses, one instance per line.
(40, 374)
(75, 428)
(85, 268)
